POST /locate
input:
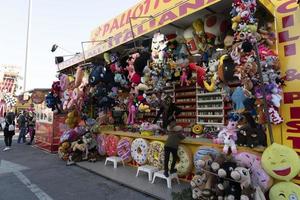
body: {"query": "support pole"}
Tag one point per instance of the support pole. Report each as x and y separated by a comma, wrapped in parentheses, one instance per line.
(264, 94)
(27, 44)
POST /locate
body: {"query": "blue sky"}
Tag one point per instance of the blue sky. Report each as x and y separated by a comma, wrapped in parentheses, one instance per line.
(63, 22)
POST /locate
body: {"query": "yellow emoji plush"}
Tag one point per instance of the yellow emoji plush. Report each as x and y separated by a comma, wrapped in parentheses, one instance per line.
(281, 162)
(285, 191)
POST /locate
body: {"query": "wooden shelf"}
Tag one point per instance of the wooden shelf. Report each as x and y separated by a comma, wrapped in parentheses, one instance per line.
(185, 96)
(185, 116)
(215, 108)
(185, 103)
(211, 123)
(209, 94)
(210, 101)
(185, 89)
(188, 109)
(211, 116)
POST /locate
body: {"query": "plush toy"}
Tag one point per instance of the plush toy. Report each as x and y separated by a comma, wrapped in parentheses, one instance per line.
(78, 148)
(144, 108)
(183, 78)
(232, 189)
(106, 57)
(228, 135)
(188, 35)
(131, 112)
(63, 81)
(212, 86)
(63, 150)
(275, 118)
(200, 71)
(238, 97)
(73, 119)
(259, 176)
(158, 47)
(214, 26)
(79, 76)
(242, 175)
(52, 101)
(285, 191)
(251, 134)
(198, 183)
(281, 162)
(97, 74)
(200, 36)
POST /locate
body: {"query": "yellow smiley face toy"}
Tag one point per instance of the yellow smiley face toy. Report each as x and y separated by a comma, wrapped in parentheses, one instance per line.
(281, 162)
(285, 191)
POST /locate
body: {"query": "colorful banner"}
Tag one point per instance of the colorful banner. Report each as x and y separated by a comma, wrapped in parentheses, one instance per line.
(288, 25)
(147, 16)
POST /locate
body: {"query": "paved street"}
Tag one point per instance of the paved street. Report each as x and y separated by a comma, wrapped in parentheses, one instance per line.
(29, 173)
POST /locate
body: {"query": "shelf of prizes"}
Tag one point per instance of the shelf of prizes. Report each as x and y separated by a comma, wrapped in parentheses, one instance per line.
(221, 73)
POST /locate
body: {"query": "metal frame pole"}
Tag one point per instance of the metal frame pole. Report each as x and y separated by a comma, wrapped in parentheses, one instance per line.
(264, 94)
(83, 54)
(27, 44)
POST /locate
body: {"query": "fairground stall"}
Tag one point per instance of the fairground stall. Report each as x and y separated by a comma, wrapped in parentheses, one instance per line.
(226, 71)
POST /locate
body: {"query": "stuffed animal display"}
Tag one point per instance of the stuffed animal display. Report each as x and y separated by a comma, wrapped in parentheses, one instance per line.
(218, 78)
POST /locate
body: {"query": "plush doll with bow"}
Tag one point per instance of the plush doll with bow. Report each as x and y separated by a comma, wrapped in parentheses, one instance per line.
(228, 135)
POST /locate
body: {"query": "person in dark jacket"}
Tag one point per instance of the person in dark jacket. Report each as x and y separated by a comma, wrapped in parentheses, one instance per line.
(31, 126)
(171, 146)
(22, 127)
(169, 111)
(9, 130)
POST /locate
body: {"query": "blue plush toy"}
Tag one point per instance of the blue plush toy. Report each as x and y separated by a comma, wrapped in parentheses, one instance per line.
(238, 97)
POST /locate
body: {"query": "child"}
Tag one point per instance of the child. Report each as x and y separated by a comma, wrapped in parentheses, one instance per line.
(169, 111)
(171, 146)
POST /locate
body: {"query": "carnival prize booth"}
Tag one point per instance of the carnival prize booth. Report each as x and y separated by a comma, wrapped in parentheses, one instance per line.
(225, 71)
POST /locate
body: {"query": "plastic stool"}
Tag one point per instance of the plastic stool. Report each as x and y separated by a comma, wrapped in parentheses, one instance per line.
(160, 174)
(148, 169)
(115, 160)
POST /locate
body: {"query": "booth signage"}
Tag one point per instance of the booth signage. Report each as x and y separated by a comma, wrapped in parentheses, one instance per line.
(118, 31)
(288, 25)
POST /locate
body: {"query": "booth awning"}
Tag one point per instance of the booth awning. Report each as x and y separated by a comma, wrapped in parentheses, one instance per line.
(147, 16)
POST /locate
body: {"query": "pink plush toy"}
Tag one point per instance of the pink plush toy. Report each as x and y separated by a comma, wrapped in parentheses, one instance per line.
(63, 81)
(131, 112)
(228, 135)
(146, 126)
(130, 67)
(183, 78)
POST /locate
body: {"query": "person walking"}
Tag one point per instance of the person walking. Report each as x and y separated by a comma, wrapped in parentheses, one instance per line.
(31, 126)
(22, 127)
(9, 130)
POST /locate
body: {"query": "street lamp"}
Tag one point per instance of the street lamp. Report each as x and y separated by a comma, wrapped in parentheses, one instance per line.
(131, 27)
(55, 47)
(91, 41)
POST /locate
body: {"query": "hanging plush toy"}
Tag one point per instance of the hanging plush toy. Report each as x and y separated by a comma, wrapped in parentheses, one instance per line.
(97, 75)
(200, 36)
(214, 26)
(274, 116)
(188, 35)
(200, 71)
(242, 175)
(159, 46)
(183, 78)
